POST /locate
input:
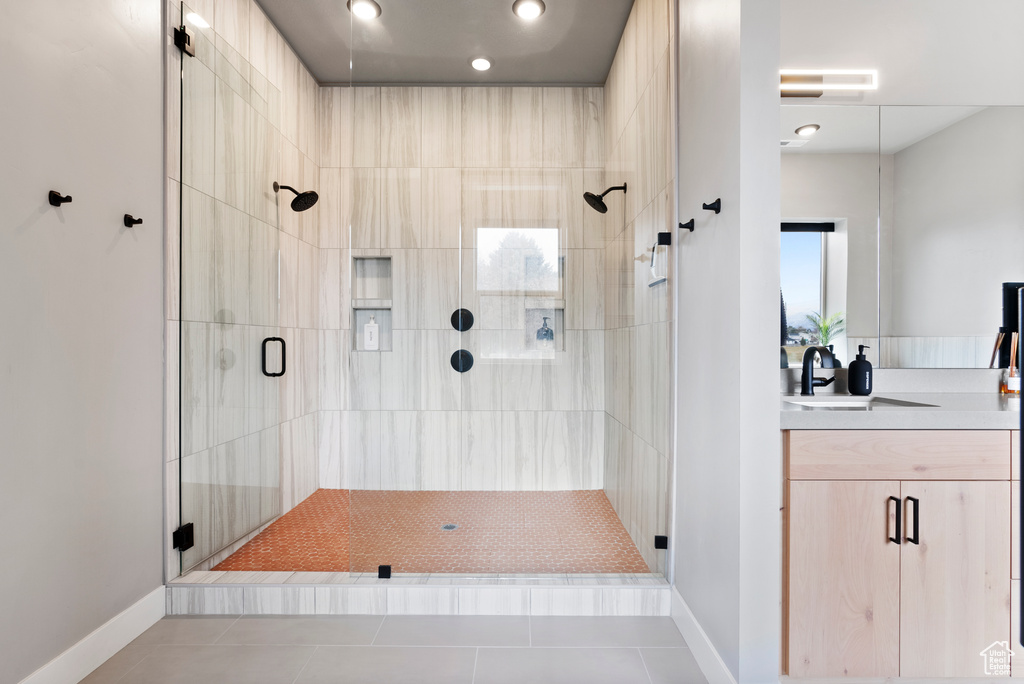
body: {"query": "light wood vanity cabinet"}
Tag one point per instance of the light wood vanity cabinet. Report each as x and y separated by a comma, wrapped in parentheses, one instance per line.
(861, 605)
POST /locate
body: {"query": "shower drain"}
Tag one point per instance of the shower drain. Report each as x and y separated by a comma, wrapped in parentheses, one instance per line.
(449, 527)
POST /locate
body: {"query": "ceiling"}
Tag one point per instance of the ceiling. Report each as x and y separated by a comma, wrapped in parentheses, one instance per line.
(433, 41)
(855, 129)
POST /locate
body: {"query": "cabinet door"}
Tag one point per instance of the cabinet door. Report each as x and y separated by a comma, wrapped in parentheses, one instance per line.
(955, 584)
(843, 579)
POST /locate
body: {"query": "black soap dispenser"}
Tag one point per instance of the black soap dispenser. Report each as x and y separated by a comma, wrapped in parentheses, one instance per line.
(859, 376)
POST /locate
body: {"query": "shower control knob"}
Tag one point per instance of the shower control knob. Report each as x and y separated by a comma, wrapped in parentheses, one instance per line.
(462, 320)
(462, 361)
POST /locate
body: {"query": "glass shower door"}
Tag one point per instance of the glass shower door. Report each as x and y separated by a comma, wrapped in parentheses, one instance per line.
(232, 354)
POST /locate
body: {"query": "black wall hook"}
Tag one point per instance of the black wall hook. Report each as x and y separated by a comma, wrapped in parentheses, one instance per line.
(130, 221)
(688, 225)
(715, 206)
(56, 199)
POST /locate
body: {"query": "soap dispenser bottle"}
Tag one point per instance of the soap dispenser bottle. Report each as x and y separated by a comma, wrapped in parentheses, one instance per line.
(371, 335)
(860, 374)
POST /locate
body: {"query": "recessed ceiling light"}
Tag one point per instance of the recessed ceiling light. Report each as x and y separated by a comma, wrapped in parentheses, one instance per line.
(481, 64)
(528, 9)
(196, 20)
(364, 9)
(808, 130)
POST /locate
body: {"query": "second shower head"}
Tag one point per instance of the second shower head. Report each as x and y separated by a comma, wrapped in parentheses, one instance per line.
(596, 202)
(303, 200)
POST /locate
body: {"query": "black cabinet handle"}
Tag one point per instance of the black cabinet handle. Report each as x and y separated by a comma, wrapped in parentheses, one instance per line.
(899, 517)
(915, 509)
(263, 362)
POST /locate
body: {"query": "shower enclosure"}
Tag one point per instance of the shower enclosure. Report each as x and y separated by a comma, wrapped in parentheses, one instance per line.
(450, 363)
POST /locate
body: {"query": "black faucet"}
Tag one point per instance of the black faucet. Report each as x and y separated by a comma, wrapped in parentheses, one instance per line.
(807, 381)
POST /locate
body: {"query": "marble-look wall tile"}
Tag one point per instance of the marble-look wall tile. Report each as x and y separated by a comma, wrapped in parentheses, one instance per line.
(336, 127)
(593, 289)
(419, 450)
(494, 600)
(423, 601)
(279, 600)
(308, 104)
(481, 388)
(331, 357)
(333, 272)
(523, 126)
(483, 139)
(366, 127)
(299, 471)
(351, 600)
(630, 601)
(330, 456)
(231, 20)
(593, 126)
(401, 118)
(442, 127)
(231, 259)
(300, 385)
(425, 288)
(400, 208)
(442, 207)
(580, 601)
(290, 69)
(590, 375)
(264, 168)
(231, 147)
(205, 600)
(564, 123)
(522, 451)
(562, 452)
(482, 444)
(361, 443)
(482, 199)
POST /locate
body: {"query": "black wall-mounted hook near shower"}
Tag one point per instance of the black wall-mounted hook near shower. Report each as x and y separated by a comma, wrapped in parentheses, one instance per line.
(130, 221)
(715, 206)
(688, 225)
(56, 199)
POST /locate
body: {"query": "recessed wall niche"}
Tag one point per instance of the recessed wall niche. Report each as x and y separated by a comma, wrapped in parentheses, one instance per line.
(371, 300)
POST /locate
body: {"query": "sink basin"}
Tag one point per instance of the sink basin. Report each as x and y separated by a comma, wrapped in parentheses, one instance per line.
(859, 403)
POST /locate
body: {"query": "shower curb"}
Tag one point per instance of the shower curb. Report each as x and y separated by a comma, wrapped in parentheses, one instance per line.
(218, 593)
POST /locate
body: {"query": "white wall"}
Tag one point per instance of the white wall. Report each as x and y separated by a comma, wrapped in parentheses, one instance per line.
(81, 302)
(926, 51)
(958, 226)
(727, 538)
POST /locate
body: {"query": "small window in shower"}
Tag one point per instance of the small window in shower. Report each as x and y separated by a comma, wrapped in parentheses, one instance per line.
(518, 260)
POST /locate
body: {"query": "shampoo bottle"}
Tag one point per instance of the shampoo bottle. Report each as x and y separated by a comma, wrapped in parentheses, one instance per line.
(860, 374)
(371, 335)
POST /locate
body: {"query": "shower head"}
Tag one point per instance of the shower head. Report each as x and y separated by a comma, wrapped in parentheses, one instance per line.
(597, 201)
(302, 201)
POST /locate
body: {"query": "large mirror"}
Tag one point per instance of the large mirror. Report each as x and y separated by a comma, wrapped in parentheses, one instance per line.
(902, 228)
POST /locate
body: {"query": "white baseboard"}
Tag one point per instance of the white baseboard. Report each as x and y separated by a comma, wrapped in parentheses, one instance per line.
(77, 662)
(704, 652)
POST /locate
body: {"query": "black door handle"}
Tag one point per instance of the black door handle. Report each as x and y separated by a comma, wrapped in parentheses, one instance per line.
(899, 518)
(916, 508)
(263, 362)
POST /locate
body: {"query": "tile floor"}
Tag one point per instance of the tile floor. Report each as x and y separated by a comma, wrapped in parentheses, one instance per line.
(404, 649)
(504, 532)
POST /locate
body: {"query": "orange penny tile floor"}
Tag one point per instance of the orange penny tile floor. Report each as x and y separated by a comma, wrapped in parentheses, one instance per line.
(337, 530)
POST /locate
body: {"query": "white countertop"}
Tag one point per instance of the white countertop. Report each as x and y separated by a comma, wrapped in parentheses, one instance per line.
(949, 411)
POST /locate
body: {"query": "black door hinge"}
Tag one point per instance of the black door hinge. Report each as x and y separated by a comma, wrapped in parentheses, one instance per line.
(384, 572)
(660, 541)
(183, 538)
(183, 40)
